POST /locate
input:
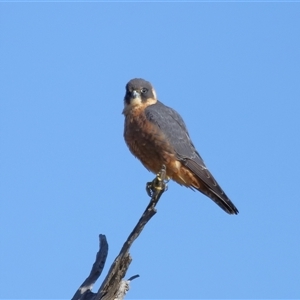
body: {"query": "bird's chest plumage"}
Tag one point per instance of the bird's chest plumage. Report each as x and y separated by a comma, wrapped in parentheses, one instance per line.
(146, 141)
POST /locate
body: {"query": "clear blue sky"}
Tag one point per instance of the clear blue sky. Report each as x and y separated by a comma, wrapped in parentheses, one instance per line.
(232, 70)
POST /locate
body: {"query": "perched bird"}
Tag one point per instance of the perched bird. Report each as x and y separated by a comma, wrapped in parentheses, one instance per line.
(157, 135)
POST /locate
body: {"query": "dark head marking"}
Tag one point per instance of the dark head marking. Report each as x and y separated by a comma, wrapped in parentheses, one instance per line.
(139, 87)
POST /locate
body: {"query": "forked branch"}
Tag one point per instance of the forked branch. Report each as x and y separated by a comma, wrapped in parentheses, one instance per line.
(114, 287)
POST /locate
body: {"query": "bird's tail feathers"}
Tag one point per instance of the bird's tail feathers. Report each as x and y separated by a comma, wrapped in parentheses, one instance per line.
(207, 185)
(223, 201)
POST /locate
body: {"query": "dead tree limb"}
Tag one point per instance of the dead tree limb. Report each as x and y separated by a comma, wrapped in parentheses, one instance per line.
(86, 287)
(114, 287)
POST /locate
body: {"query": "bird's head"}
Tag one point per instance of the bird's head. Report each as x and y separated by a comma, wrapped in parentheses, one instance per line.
(139, 92)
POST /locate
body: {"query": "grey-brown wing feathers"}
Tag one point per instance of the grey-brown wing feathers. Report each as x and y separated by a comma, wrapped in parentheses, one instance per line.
(174, 129)
(212, 190)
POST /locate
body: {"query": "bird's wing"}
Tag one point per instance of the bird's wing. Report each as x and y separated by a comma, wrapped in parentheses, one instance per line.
(174, 129)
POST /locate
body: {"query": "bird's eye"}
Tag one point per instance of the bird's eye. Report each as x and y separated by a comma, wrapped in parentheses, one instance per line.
(144, 90)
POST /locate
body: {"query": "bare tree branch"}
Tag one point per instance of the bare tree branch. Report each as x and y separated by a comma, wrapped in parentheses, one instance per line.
(114, 287)
(96, 271)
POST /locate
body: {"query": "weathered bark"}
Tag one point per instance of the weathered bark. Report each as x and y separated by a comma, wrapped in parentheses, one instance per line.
(114, 286)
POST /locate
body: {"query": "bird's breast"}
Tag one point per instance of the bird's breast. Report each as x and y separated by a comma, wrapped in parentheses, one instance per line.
(146, 141)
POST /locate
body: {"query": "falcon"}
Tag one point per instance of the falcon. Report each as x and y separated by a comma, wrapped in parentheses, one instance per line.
(157, 135)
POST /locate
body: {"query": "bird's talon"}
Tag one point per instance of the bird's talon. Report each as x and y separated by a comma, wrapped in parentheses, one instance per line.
(158, 184)
(166, 186)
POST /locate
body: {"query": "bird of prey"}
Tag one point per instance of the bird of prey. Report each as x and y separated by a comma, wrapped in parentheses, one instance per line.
(157, 135)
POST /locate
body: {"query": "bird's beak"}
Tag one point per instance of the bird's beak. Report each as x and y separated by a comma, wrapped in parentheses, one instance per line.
(135, 94)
